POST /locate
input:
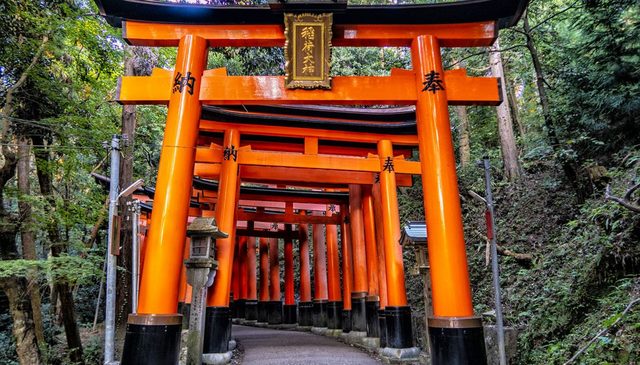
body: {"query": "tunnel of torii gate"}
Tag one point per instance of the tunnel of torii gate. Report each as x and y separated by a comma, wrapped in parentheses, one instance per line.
(330, 169)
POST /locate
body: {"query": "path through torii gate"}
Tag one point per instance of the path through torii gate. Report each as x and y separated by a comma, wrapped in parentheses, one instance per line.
(153, 334)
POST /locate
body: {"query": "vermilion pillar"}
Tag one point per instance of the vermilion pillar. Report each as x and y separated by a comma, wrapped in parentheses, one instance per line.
(251, 307)
(156, 326)
(397, 313)
(347, 273)
(359, 258)
(334, 307)
(320, 292)
(218, 316)
(305, 307)
(451, 291)
(290, 308)
(275, 304)
(382, 275)
(264, 280)
(373, 299)
(235, 284)
(243, 277)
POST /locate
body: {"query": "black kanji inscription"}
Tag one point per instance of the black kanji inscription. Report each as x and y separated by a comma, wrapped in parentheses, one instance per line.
(432, 82)
(229, 152)
(180, 82)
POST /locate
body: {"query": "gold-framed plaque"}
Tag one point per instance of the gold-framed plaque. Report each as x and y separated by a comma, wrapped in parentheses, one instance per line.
(307, 50)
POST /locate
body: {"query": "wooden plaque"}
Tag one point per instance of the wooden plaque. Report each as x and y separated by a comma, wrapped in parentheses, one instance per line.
(308, 50)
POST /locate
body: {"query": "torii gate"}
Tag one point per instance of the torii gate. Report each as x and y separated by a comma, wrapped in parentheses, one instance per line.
(456, 334)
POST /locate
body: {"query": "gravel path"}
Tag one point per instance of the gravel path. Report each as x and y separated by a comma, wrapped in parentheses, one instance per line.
(278, 347)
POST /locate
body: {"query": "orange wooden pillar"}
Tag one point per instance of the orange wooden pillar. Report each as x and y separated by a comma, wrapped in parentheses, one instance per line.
(251, 306)
(274, 315)
(334, 306)
(359, 258)
(373, 299)
(320, 293)
(451, 291)
(243, 277)
(290, 309)
(397, 313)
(305, 307)
(159, 284)
(382, 274)
(235, 284)
(218, 317)
(347, 272)
(264, 280)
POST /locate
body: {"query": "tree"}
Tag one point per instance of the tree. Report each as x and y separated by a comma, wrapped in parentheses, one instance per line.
(505, 123)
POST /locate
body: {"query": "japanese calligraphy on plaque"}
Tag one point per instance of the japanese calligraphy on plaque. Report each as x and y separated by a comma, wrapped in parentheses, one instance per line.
(308, 50)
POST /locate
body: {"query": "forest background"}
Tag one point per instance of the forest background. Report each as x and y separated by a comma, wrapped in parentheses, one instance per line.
(565, 148)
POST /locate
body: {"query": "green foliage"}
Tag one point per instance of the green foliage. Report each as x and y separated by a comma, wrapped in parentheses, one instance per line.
(73, 270)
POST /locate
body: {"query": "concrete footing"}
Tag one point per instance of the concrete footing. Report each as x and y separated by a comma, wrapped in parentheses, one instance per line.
(371, 343)
(394, 356)
(354, 337)
(319, 330)
(232, 345)
(217, 359)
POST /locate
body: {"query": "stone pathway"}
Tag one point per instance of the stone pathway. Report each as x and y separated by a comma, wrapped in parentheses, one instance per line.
(265, 346)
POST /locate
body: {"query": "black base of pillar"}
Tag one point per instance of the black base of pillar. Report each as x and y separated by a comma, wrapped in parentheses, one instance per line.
(320, 313)
(334, 315)
(185, 310)
(274, 315)
(399, 330)
(373, 323)
(358, 312)
(457, 341)
(240, 308)
(382, 323)
(263, 312)
(305, 314)
(217, 330)
(346, 321)
(152, 339)
(290, 314)
(251, 310)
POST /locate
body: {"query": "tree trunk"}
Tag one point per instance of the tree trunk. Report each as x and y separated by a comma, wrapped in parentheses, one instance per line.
(138, 62)
(16, 287)
(505, 123)
(23, 323)
(513, 103)
(58, 247)
(123, 287)
(26, 235)
(463, 133)
(542, 91)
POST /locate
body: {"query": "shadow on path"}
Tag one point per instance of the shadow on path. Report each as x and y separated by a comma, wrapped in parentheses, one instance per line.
(265, 346)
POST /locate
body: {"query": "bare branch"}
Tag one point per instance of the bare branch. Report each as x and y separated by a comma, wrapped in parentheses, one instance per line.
(555, 15)
(625, 202)
(603, 331)
(484, 52)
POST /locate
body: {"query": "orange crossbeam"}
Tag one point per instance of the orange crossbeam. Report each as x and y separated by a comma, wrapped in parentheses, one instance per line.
(287, 218)
(296, 176)
(323, 162)
(258, 35)
(298, 132)
(397, 89)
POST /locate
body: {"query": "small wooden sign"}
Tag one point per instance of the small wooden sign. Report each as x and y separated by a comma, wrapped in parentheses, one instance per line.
(308, 50)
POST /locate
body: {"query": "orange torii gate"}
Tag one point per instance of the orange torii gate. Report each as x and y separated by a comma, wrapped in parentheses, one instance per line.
(456, 334)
